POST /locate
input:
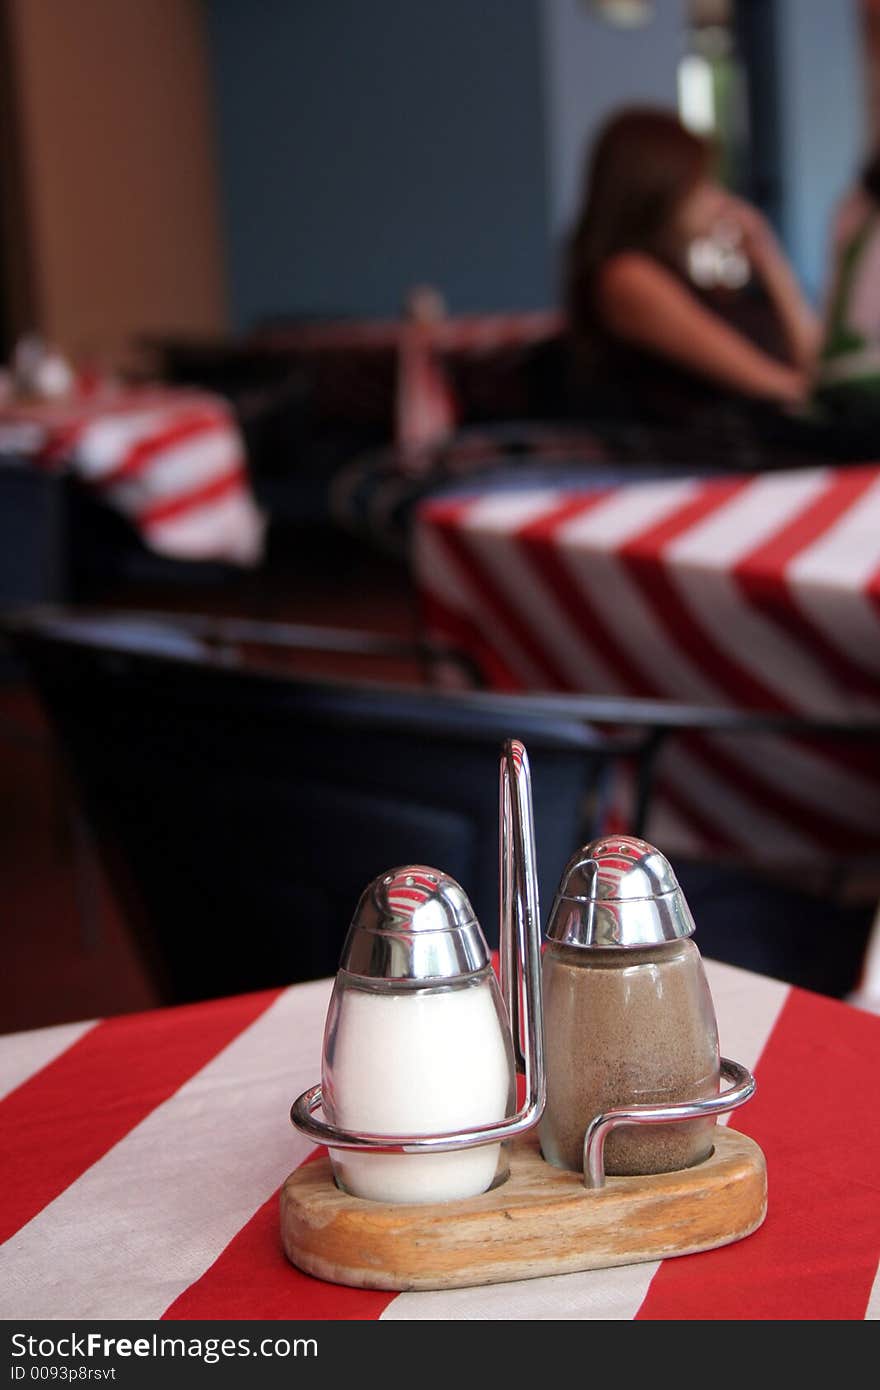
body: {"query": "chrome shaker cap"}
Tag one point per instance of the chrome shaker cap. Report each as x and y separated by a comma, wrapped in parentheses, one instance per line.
(414, 923)
(619, 891)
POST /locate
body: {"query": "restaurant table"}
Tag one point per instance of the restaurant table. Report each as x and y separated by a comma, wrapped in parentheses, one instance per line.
(171, 461)
(141, 1159)
(34, 534)
(758, 592)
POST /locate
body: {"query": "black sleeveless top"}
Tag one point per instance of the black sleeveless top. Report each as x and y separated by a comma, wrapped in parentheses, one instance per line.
(662, 408)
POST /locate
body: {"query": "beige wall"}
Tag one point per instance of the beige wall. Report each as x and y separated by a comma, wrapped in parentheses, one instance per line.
(114, 127)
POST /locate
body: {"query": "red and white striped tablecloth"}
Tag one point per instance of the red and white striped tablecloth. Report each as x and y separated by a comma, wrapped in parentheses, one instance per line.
(759, 592)
(426, 409)
(141, 1159)
(171, 461)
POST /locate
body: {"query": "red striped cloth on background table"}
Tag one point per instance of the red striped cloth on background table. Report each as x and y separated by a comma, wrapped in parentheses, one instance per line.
(472, 333)
(171, 461)
(758, 592)
(425, 409)
(141, 1159)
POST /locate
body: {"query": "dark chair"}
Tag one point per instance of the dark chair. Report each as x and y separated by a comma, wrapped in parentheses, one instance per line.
(241, 812)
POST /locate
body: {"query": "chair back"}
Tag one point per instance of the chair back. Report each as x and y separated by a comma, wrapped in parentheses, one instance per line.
(240, 812)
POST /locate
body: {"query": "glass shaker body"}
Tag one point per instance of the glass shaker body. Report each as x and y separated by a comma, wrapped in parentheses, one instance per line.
(623, 1027)
(405, 1058)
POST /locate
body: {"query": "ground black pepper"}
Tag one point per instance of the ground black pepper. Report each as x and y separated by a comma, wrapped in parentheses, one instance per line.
(627, 1026)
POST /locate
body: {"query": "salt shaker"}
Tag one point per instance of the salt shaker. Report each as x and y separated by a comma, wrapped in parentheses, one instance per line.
(416, 1039)
(421, 1047)
(628, 1016)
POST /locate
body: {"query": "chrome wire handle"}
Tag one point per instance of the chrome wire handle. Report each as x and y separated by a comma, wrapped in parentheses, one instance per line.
(520, 919)
(742, 1088)
(520, 953)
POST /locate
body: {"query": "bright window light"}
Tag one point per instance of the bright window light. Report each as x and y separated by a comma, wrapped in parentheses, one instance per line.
(696, 94)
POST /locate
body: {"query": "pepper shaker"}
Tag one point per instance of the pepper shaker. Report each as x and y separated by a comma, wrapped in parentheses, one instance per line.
(628, 1016)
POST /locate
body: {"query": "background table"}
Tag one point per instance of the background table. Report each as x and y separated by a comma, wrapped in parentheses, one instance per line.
(758, 592)
(141, 1159)
(171, 461)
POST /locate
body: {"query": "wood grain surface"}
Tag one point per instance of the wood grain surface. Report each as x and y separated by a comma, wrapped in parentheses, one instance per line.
(542, 1220)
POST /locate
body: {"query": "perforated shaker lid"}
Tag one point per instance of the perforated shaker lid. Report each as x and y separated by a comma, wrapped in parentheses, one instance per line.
(619, 891)
(414, 923)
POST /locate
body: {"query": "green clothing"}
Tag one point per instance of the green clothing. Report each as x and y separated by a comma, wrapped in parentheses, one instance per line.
(848, 376)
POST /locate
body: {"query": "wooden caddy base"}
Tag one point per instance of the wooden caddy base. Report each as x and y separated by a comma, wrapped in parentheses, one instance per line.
(542, 1220)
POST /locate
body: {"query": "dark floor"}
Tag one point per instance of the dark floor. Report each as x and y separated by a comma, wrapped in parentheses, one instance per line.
(68, 954)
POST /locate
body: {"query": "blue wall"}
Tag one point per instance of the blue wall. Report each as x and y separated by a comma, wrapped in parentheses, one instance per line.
(821, 112)
(591, 68)
(366, 145)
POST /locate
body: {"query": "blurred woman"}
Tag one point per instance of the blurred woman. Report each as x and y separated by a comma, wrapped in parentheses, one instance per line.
(648, 340)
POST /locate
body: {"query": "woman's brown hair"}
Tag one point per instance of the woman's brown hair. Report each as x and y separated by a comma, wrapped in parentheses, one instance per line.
(641, 168)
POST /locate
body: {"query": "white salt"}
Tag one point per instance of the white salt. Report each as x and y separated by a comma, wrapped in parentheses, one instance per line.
(419, 1063)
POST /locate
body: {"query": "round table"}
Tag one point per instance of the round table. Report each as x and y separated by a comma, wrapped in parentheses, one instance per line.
(142, 1157)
